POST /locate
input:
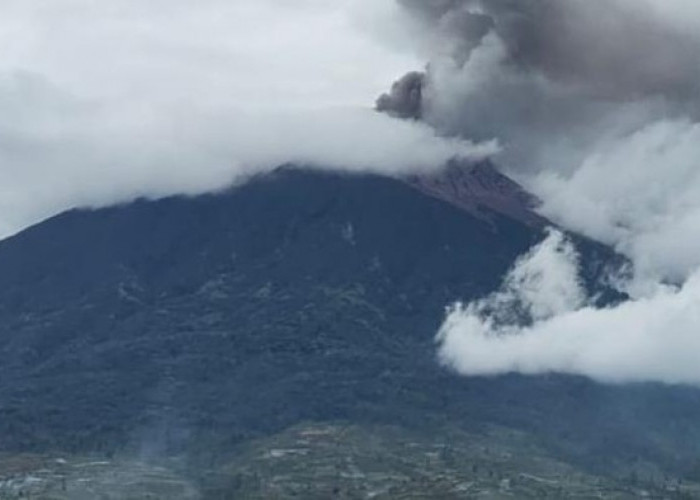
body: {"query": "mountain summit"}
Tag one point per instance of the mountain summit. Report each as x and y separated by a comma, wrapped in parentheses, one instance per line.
(482, 191)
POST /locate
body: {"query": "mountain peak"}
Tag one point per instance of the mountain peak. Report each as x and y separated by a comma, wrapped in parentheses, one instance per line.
(480, 189)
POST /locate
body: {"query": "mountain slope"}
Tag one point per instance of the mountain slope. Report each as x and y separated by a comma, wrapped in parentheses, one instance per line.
(197, 324)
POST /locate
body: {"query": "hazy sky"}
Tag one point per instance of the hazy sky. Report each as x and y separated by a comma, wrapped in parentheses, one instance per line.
(105, 101)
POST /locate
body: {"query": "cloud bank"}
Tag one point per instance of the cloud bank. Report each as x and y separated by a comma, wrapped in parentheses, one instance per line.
(654, 338)
(102, 104)
(596, 105)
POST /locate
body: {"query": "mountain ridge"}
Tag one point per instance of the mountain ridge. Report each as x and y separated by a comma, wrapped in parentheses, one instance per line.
(191, 325)
(479, 189)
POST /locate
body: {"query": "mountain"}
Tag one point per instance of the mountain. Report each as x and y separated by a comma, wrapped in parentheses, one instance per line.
(197, 326)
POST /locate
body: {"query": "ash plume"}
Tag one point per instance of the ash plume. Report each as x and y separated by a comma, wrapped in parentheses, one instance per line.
(564, 72)
(610, 48)
(596, 106)
(405, 99)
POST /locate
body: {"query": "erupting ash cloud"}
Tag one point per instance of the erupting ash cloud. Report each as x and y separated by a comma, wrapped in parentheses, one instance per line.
(551, 78)
(596, 104)
(607, 48)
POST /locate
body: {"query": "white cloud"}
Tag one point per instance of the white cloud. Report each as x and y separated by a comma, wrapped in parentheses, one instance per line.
(542, 283)
(105, 102)
(649, 339)
(641, 193)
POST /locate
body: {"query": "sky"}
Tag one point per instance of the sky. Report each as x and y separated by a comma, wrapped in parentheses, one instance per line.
(105, 102)
(593, 105)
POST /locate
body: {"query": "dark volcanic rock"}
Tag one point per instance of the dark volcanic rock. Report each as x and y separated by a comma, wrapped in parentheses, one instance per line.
(482, 191)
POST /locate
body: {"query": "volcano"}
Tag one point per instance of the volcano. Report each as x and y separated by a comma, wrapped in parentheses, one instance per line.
(192, 326)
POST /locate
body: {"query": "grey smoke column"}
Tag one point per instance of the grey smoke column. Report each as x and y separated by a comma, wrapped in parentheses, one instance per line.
(612, 47)
(558, 70)
(405, 100)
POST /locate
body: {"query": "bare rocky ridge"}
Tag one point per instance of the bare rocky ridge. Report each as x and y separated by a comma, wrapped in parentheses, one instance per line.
(481, 190)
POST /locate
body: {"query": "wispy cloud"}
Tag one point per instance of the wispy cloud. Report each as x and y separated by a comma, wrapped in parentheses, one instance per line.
(104, 103)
